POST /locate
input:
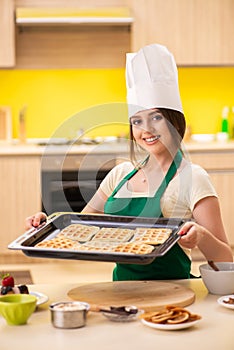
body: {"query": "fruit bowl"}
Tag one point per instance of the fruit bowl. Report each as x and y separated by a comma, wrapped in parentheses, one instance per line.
(17, 308)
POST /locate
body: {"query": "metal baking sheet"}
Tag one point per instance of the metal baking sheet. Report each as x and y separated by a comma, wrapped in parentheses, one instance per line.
(58, 221)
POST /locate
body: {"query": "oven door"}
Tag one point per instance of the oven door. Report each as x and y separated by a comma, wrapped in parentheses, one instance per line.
(71, 192)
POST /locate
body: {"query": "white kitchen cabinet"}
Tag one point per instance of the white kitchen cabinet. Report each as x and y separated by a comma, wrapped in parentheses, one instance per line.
(7, 34)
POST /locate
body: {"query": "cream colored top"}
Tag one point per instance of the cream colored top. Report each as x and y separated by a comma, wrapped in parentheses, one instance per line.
(191, 184)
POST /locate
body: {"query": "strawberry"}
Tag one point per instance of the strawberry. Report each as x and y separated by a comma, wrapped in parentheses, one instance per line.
(8, 280)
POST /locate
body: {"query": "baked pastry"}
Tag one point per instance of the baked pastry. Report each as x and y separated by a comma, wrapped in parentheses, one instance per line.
(97, 246)
(133, 248)
(59, 242)
(170, 314)
(78, 232)
(153, 236)
(230, 300)
(114, 234)
(103, 246)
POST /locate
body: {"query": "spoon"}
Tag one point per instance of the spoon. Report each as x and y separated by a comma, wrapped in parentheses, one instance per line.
(213, 265)
(117, 310)
(126, 309)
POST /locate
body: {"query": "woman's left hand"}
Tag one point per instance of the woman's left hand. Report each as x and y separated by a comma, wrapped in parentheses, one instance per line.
(191, 234)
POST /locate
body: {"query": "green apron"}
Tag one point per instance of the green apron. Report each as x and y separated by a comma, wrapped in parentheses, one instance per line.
(173, 265)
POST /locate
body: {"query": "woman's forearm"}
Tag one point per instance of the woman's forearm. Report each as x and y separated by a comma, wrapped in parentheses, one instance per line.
(214, 249)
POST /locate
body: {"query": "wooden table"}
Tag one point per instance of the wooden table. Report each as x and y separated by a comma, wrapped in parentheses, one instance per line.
(214, 331)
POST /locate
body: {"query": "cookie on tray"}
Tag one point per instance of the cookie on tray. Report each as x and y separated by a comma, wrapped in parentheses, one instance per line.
(133, 248)
(114, 234)
(153, 236)
(79, 232)
(57, 243)
(100, 246)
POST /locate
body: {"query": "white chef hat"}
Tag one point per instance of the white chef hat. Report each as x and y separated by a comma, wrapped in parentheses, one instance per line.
(152, 80)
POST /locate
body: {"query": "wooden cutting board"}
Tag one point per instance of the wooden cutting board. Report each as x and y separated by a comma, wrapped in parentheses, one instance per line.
(147, 295)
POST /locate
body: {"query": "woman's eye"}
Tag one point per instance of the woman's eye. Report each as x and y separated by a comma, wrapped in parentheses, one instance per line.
(157, 117)
(136, 121)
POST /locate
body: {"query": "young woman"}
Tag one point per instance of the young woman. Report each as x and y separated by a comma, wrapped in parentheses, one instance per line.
(164, 183)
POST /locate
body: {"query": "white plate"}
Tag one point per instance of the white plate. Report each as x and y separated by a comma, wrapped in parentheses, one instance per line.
(41, 298)
(226, 297)
(169, 327)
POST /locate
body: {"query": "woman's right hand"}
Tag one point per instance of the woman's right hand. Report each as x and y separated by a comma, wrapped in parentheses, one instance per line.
(35, 220)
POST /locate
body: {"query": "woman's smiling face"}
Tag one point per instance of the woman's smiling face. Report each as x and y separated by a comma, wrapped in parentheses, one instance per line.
(150, 130)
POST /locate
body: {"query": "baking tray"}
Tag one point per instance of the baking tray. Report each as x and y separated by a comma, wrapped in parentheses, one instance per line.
(58, 221)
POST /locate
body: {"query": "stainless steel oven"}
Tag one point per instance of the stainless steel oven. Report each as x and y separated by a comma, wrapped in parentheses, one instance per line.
(69, 181)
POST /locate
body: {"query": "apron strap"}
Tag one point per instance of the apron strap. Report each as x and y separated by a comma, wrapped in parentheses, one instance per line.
(170, 173)
(122, 182)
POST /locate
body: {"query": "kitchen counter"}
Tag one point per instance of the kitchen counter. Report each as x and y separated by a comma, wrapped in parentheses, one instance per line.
(30, 149)
(107, 148)
(214, 331)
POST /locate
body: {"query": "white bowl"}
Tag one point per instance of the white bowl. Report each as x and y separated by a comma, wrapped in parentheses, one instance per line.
(218, 282)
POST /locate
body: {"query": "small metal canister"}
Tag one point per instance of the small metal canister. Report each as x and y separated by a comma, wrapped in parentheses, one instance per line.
(69, 314)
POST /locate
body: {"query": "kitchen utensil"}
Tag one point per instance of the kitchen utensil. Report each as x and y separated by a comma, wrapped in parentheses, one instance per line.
(117, 310)
(57, 221)
(124, 317)
(125, 309)
(146, 295)
(213, 265)
(69, 314)
(218, 283)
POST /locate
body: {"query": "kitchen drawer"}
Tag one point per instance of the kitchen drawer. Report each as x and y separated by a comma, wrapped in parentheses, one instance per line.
(214, 160)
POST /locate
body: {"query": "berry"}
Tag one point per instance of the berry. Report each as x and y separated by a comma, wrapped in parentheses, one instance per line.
(7, 281)
(6, 290)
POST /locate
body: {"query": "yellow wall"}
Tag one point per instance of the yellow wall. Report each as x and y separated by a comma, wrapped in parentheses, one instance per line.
(53, 96)
(204, 93)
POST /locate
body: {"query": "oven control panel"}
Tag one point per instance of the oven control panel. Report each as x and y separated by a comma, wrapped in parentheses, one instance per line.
(75, 162)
